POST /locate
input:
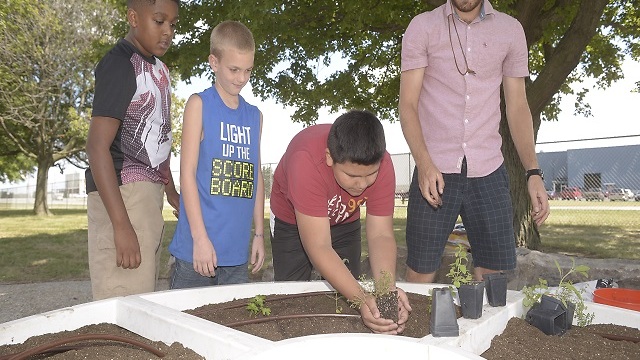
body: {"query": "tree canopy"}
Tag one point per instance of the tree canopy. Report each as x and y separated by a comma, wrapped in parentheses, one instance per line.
(346, 54)
(46, 82)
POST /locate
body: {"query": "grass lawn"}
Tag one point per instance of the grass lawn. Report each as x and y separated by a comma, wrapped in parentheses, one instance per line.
(38, 249)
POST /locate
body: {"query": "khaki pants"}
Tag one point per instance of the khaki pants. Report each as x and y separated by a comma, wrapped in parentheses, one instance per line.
(143, 201)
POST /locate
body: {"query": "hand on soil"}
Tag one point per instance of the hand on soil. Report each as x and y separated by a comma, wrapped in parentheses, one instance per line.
(404, 309)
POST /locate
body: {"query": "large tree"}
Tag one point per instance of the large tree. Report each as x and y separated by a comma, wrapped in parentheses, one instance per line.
(300, 40)
(46, 82)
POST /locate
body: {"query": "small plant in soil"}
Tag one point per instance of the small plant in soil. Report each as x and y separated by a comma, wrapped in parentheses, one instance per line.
(566, 292)
(469, 291)
(256, 305)
(336, 297)
(458, 271)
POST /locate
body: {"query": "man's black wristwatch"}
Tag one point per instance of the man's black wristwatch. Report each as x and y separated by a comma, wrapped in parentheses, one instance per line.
(535, 172)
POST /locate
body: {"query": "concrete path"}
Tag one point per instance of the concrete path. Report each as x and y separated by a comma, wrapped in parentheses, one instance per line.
(21, 300)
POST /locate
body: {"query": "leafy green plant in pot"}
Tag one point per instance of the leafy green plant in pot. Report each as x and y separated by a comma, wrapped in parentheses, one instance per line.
(470, 292)
(566, 292)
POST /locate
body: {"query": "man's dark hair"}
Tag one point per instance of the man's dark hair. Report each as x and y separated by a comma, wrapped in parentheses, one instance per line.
(358, 137)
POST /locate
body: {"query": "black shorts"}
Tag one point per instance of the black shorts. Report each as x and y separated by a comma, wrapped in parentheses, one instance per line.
(290, 261)
(484, 204)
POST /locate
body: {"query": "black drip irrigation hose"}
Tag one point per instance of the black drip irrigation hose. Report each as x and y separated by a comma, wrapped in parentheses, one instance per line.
(55, 346)
(284, 317)
(617, 337)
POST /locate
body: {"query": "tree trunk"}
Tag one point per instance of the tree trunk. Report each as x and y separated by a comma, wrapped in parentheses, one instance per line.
(40, 206)
(526, 231)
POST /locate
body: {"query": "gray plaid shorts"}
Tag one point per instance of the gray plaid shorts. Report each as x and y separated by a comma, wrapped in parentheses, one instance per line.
(484, 204)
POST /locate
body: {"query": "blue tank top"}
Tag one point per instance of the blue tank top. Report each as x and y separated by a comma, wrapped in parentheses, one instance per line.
(227, 178)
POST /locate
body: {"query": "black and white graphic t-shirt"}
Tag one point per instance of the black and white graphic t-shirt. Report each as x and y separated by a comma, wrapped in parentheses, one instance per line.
(135, 90)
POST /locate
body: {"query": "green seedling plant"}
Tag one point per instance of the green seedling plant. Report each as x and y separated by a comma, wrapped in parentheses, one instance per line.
(458, 270)
(382, 286)
(336, 297)
(566, 292)
(373, 287)
(257, 305)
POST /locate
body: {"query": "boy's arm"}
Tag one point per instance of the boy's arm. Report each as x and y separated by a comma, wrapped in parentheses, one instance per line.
(102, 131)
(173, 198)
(382, 257)
(204, 256)
(257, 243)
(521, 128)
(316, 239)
(382, 245)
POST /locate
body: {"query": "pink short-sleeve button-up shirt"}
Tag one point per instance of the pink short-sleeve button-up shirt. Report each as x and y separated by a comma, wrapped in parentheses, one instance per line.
(460, 114)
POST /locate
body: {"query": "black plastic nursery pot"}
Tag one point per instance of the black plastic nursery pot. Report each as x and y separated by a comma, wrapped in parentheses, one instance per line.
(471, 299)
(496, 285)
(551, 316)
(444, 322)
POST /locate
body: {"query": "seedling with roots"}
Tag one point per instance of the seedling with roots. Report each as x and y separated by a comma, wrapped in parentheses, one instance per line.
(566, 292)
(382, 290)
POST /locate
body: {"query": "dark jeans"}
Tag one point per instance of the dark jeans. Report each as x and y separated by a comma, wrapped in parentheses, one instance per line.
(184, 276)
(290, 261)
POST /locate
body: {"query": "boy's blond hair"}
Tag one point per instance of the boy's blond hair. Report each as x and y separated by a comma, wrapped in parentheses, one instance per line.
(231, 34)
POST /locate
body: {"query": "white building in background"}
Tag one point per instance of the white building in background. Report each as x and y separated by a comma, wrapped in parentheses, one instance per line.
(595, 168)
(75, 185)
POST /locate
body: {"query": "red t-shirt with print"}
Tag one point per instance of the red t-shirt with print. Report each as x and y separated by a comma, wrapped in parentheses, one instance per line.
(304, 182)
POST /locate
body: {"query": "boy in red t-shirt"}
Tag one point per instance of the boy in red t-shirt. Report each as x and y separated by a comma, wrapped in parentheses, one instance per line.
(326, 174)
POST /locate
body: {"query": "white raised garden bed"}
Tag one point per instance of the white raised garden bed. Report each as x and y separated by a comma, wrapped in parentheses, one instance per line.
(158, 316)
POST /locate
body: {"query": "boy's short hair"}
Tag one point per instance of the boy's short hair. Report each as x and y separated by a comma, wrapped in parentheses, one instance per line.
(358, 137)
(135, 3)
(231, 33)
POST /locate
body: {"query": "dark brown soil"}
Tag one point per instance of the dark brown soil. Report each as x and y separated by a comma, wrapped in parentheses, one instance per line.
(101, 349)
(234, 314)
(519, 340)
(523, 341)
(388, 305)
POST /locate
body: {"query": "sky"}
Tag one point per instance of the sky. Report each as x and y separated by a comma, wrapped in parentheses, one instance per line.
(614, 114)
(613, 109)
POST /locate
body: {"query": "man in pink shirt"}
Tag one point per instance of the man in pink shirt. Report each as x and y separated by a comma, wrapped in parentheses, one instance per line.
(454, 60)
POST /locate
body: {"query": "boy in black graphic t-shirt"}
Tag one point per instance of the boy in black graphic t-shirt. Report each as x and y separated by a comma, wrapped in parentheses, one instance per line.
(129, 147)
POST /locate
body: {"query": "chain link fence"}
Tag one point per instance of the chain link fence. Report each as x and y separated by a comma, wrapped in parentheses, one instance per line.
(594, 186)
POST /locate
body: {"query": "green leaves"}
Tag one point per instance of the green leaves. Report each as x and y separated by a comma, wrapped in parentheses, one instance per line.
(46, 80)
(346, 54)
(458, 271)
(566, 292)
(257, 306)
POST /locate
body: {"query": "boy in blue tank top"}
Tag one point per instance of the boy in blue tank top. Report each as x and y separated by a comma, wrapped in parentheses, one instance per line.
(221, 183)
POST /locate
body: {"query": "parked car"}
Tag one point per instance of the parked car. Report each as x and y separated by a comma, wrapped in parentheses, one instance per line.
(593, 194)
(630, 194)
(617, 194)
(551, 194)
(571, 193)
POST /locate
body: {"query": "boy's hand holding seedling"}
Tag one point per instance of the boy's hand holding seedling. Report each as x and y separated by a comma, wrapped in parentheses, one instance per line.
(367, 305)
